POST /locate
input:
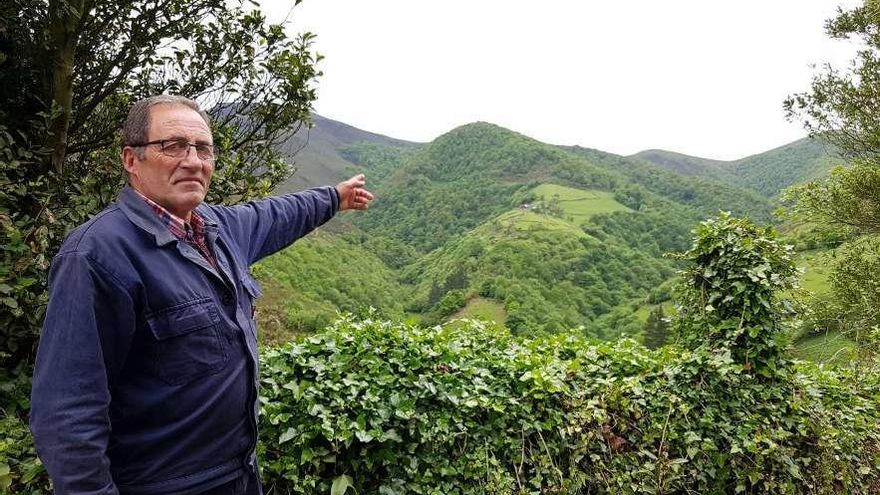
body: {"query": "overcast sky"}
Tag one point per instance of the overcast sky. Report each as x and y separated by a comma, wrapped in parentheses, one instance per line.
(701, 77)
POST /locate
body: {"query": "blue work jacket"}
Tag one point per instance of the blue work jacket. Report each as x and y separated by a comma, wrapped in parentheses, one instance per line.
(147, 372)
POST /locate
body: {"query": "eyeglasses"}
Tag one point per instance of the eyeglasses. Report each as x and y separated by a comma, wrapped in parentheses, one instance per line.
(178, 148)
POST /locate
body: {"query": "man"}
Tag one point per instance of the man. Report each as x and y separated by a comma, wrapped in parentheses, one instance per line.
(146, 375)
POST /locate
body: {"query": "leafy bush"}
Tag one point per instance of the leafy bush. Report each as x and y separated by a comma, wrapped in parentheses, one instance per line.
(729, 298)
(389, 408)
(20, 470)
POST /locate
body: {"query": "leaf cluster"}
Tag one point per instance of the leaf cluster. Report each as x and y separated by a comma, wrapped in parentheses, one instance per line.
(842, 105)
(21, 471)
(729, 298)
(389, 408)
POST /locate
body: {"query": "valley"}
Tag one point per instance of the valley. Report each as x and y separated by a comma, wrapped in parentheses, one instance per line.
(487, 223)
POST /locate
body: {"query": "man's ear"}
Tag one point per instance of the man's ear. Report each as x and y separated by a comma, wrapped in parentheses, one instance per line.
(130, 160)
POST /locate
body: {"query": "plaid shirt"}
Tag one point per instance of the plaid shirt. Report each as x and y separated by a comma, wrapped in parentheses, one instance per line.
(192, 233)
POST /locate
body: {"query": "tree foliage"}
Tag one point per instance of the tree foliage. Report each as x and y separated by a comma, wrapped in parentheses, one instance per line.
(849, 198)
(69, 70)
(843, 105)
(843, 108)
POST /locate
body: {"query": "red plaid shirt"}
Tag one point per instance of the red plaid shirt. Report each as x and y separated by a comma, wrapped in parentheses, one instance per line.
(192, 233)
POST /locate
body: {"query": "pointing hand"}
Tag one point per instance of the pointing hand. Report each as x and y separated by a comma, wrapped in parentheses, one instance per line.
(352, 195)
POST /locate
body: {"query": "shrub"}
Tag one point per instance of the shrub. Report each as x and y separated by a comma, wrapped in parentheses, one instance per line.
(391, 408)
(20, 470)
(729, 296)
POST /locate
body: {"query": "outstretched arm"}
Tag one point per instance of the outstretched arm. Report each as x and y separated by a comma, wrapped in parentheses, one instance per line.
(265, 226)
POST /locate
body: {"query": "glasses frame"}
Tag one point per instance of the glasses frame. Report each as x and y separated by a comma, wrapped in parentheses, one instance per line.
(200, 148)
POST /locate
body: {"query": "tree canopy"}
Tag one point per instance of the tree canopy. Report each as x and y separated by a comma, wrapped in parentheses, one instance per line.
(842, 107)
(70, 69)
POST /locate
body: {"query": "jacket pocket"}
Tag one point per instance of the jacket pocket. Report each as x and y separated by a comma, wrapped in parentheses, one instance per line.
(252, 290)
(188, 341)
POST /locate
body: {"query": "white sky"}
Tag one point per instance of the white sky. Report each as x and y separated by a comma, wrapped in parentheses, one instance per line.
(701, 77)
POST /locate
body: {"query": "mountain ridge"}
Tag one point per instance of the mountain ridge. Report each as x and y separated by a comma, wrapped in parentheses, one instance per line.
(328, 153)
(487, 213)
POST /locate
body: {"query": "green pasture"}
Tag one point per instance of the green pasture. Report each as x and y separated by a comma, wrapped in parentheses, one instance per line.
(831, 347)
(521, 220)
(644, 310)
(580, 204)
(816, 267)
(481, 308)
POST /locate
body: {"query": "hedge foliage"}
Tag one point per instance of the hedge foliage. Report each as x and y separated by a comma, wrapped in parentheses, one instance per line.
(21, 472)
(392, 409)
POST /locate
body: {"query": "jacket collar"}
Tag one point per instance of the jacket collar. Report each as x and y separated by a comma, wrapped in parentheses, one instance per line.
(141, 214)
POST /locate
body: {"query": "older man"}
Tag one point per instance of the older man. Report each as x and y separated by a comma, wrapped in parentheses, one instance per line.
(146, 375)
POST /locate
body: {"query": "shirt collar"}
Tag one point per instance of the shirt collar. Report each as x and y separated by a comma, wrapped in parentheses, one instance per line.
(141, 213)
(161, 211)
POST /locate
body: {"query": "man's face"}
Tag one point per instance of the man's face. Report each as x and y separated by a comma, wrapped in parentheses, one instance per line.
(177, 184)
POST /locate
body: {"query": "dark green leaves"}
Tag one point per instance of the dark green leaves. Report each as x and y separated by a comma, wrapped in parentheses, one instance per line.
(389, 408)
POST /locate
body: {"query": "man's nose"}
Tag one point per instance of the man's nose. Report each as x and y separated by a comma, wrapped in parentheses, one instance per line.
(191, 159)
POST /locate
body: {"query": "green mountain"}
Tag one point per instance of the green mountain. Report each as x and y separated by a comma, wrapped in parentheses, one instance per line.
(684, 164)
(548, 274)
(480, 170)
(772, 171)
(320, 152)
(768, 173)
(484, 220)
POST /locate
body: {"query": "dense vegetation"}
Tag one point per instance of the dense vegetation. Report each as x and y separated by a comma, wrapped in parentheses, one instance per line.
(549, 274)
(324, 274)
(475, 410)
(562, 246)
(478, 171)
(768, 173)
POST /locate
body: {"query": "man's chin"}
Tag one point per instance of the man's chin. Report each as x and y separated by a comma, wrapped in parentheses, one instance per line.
(189, 200)
(190, 186)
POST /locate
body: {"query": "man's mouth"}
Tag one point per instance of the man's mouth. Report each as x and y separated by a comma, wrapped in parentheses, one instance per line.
(190, 179)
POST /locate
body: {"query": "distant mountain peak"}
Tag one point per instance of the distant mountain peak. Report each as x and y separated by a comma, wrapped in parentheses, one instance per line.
(342, 134)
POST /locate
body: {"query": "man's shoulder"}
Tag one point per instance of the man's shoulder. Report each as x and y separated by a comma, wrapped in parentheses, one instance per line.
(99, 232)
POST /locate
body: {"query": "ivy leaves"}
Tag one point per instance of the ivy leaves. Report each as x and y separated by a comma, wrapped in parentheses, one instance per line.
(729, 297)
(389, 408)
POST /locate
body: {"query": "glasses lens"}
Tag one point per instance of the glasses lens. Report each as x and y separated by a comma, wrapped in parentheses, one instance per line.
(175, 148)
(180, 148)
(205, 151)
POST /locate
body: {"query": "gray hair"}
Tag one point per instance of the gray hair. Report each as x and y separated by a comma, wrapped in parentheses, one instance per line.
(137, 124)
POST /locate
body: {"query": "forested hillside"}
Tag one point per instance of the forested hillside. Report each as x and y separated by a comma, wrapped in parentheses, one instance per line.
(474, 172)
(550, 237)
(767, 173)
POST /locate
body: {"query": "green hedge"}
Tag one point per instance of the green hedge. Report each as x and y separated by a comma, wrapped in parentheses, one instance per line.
(20, 470)
(389, 408)
(393, 409)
